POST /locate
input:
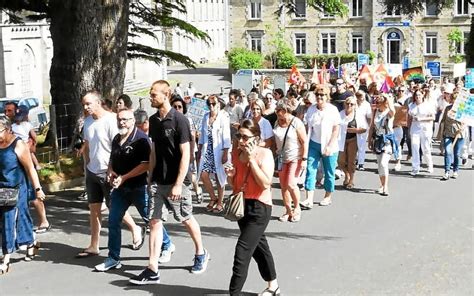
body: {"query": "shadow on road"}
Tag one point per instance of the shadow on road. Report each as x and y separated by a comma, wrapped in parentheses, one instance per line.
(222, 72)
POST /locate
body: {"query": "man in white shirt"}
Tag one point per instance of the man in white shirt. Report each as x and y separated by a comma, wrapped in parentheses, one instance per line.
(190, 91)
(364, 109)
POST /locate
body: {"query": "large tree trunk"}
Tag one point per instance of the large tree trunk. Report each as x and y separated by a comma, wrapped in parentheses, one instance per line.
(470, 46)
(89, 43)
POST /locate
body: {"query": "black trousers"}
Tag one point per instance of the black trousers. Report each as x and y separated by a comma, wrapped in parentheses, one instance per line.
(252, 243)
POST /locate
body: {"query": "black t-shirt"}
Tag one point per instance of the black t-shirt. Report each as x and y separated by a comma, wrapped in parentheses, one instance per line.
(338, 99)
(126, 157)
(167, 135)
(272, 118)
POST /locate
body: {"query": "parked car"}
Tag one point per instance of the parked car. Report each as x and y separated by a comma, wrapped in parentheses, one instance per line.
(37, 115)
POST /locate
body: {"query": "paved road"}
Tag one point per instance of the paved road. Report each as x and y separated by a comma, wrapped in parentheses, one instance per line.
(418, 241)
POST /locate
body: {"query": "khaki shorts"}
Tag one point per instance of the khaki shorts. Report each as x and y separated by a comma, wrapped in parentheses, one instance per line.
(182, 209)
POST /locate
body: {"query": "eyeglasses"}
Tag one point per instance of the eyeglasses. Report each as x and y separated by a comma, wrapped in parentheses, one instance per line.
(339, 83)
(320, 95)
(243, 137)
(177, 106)
(350, 104)
(123, 119)
(211, 104)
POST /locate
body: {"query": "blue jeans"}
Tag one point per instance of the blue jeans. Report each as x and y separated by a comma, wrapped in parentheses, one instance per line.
(451, 152)
(329, 166)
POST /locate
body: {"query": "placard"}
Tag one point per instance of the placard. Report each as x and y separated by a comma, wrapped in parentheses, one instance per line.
(463, 108)
(196, 111)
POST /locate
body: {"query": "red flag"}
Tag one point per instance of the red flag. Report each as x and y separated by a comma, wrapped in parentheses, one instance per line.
(294, 75)
(389, 81)
(364, 73)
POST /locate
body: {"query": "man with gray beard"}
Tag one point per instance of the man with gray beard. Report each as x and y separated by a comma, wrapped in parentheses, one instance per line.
(127, 175)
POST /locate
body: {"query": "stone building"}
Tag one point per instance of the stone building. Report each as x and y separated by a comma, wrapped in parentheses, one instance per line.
(391, 36)
(210, 16)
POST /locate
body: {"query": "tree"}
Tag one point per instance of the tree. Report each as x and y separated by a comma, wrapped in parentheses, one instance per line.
(335, 7)
(416, 6)
(91, 44)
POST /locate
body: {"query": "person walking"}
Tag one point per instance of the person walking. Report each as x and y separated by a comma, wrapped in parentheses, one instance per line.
(364, 108)
(291, 154)
(213, 151)
(169, 161)
(252, 171)
(323, 132)
(15, 167)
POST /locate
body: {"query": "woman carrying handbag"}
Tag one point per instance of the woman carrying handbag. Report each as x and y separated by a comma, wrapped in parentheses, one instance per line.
(252, 165)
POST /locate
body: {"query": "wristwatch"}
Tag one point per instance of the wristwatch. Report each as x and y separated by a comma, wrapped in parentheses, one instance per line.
(304, 158)
(38, 189)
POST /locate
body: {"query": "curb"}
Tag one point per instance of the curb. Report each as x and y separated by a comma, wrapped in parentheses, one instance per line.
(62, 185)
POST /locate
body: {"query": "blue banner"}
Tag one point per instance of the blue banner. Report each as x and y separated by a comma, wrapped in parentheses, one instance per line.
(362, 59)
(435, 68)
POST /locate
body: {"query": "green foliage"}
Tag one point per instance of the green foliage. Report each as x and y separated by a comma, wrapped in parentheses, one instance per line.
(242, 58)
(372, 56)
(458, 58)
(455, 38)
(410, 8)
(308, 60)
(282, 54)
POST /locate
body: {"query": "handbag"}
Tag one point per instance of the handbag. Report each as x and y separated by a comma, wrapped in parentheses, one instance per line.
(9, 196)
(279, 157)
(234, 204)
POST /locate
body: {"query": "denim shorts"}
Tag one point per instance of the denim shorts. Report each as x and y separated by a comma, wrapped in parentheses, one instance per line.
(159, 195)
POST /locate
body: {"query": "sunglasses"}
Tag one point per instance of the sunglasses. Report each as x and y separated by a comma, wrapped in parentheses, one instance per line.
(211, 104)
(350, 104)
(321, 95)
(177, 106)
(339, 83)
(243, 137)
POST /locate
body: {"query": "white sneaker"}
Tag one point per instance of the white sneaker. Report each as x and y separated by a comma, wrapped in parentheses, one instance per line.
(165, 255)
(455, 175)
(398, 167)
(445, 176)
(430, 170)
(325, 202)
(108, 264)
(414, 173)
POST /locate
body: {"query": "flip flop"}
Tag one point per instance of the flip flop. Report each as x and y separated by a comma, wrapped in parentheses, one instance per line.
(218, 209)
(138, 246)
(43, 229)
(85, 254)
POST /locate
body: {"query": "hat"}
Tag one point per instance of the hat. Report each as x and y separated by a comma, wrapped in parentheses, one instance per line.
(21, 112)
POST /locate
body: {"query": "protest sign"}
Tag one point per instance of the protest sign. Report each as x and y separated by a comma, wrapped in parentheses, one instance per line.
(469, 81)
(196, 111)
(463, 108)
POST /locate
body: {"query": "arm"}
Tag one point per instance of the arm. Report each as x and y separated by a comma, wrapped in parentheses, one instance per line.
(151, 164)
(263, 173)
(85, 151)
(332, 140)
(23, 153)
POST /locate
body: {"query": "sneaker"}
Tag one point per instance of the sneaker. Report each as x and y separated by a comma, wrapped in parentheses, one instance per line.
(430, 170)
(414, 173)
(268, 292)
(165, 255)
(445, 176)
(146, 277)
(455, 175)
(398, 167)
(325, 202)
(360, 167)
(200, 262)
(108, 264)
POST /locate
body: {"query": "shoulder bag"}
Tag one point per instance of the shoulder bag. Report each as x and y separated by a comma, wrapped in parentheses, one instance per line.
(234, 204)
(9, 196)
(279, 157)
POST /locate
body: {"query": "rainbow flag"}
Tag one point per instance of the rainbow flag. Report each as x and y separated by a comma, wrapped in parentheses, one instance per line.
(415, 73)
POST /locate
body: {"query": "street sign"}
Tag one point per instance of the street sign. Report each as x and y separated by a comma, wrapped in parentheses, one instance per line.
(362, 59)
(406, 62)
(434, 68)
(469, 78)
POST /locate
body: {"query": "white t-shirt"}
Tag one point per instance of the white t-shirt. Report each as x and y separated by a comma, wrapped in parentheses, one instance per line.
(22, 130)
(292, 145)
(266, 131)
(99, 134)
(315, 117)
(423, 110)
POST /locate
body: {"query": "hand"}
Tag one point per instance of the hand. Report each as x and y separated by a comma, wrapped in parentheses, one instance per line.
(326, 151)
(40, 195)
(249, 148)
(111, 175)
(117, 181)
(176, 191)
(229, 170)
(225, 158)
(303, 164)
(371, 143)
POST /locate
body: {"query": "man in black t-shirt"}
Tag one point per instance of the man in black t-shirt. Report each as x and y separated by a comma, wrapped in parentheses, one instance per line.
(339, 97)
(127, 171)
(169, 161)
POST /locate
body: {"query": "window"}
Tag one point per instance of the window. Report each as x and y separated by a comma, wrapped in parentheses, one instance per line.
(431, 43)
(462, 7)
(391, 11)
(300, 43)
(255, 40)
(357, 43)
(431, 9)
(300, 8)
(461, 47)
(356, 8)
(328, 43)
(255, 10)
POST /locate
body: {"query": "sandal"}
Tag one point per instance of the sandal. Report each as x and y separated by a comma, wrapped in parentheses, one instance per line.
(4, 268)
(32, 251)
(212, 204)
(295, 216)
(350, 186)
(284, 218)
(218, 209)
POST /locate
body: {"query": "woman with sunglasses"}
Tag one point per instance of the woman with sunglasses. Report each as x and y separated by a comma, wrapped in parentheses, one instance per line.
(180, 105)
(421, 114)
(290, 131)
(252, 171)
(213, 151)
(257, 108)
(352, 124)
(323, 122)
(382, 139)
(16, 168)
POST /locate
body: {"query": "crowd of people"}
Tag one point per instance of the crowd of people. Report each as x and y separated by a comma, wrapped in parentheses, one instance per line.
(308, 137)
